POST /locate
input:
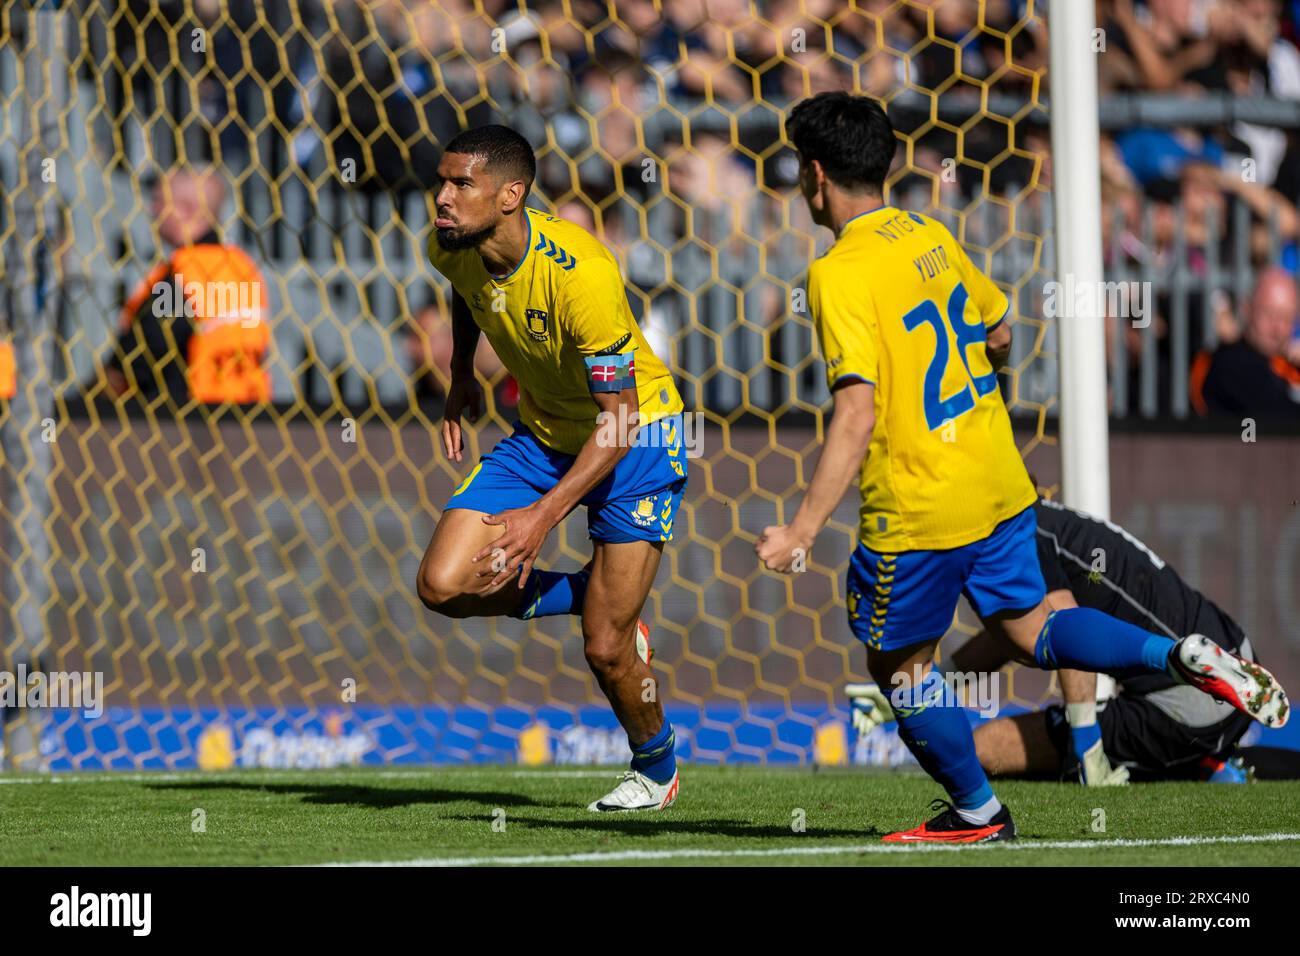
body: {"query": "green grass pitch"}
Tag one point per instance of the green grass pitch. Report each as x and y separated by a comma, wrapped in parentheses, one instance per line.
(508, 815)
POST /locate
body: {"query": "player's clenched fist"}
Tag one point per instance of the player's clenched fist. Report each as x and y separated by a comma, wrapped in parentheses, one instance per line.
(783, 548)
(463, 395)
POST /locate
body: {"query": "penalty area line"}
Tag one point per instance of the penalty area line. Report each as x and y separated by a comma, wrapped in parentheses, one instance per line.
(794, 851)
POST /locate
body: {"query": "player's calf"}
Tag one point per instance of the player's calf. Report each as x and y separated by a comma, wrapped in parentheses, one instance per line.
(652, 781)
(617, 649)
(936, 731)
(623, 673)
(620, 662)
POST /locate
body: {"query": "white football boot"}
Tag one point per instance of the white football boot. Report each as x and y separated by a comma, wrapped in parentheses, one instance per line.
(636, 791)
(1229, 678)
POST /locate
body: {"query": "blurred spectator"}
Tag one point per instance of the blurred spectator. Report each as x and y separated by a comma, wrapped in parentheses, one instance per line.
(1017, 66)
(244, 73)
(566, 25)
(711, 178)
(1208, 195)
(612, 99)
(968, 58)
(1168, 45)
(1280, 77)
(1224, 46)
(1152, 46)
(1160, 154)
(533, 89)
(196, 327)
(1253, 376)
(386, 103)
(1124, 248)
(817, 72)
(594, 84)
(959, 56)
(690, 47)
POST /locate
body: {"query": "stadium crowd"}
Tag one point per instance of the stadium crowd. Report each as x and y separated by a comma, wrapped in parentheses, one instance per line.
(583, 80)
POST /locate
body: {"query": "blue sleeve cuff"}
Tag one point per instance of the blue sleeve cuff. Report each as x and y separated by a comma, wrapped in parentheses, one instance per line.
(990, 328)
(850, 378)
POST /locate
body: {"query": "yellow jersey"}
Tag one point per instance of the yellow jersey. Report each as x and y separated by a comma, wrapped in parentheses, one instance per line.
(898, 303)
(561, 325)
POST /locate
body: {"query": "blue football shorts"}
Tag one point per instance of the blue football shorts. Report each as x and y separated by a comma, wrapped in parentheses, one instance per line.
(637, 501)
(897, 600)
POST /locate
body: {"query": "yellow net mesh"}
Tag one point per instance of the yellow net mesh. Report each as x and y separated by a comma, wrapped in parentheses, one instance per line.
(243, 576)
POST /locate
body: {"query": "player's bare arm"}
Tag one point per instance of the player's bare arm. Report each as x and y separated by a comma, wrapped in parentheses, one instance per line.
(1077, 687)
(464, 394)
(998, 346)
(527, 528)
(847, 441)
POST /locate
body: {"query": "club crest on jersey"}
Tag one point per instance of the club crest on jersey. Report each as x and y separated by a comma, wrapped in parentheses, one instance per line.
(539, 324)
(644, 513)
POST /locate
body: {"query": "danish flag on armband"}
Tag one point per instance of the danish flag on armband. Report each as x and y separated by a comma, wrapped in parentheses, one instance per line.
(611, 373)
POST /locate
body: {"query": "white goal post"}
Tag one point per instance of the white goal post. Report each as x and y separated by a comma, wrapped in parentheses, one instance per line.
(1076, 199)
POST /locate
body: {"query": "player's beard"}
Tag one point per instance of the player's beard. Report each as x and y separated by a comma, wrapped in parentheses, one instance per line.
(454, 238)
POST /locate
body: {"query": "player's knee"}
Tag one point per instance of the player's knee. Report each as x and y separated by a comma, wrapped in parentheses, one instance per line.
(608, 651)
(903, 666)
(439, 589)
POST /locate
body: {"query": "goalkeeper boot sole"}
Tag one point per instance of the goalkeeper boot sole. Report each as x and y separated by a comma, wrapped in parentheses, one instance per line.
(950, 827)
(1255, 692)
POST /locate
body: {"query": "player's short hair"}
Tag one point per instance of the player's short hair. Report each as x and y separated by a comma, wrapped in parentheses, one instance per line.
(849, 135)
(507, 154)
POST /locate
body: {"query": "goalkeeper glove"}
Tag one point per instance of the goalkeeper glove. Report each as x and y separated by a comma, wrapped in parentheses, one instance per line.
(1095, 769)
(869, 707)
(1088, 763)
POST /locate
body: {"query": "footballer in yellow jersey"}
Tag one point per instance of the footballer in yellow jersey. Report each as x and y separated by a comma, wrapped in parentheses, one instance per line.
(934, 381)
(599, 425)
(913, 335)
(561, 324)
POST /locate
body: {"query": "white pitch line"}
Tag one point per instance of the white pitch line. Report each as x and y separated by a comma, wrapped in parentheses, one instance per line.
(686, 854)
(110, 776)
(614, 772)
(541, 773)
(106, 776)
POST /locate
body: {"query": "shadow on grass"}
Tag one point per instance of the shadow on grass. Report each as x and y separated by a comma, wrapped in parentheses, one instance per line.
(651, 824)
(335, 794)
